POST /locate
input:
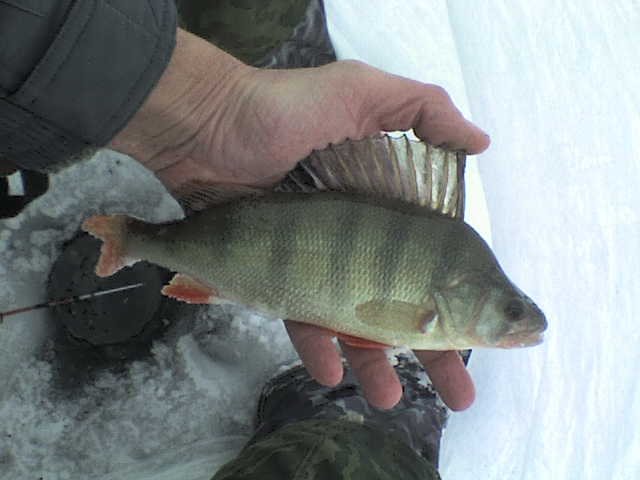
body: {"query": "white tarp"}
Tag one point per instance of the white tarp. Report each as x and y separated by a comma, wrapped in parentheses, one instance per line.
(557, 86)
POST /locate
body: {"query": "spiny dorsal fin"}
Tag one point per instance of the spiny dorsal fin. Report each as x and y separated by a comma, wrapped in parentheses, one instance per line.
(386, 167)
(382, 166)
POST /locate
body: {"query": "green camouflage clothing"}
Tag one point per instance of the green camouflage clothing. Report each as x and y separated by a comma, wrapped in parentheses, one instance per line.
(417, 420)
(328, 449)
(275, 34)
(247, 29)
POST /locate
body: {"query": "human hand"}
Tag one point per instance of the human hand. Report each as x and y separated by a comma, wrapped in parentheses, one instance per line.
(377, 377)
(250, 127)
(214, 119)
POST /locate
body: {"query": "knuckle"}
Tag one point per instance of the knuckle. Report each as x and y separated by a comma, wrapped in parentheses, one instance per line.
(439, 93)
(351, 70)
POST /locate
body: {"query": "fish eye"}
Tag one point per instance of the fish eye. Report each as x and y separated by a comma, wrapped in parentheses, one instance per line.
(514, 310)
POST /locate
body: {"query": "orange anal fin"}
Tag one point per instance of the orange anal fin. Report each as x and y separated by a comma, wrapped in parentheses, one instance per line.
(359, 342)
(186, 289)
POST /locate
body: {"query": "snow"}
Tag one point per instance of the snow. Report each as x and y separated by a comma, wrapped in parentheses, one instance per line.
(557, 86)
(180, 414)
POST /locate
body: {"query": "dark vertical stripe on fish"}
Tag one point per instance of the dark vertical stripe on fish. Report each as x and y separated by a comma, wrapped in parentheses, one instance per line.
(391, 253)
(227, 225)
(223, 228)
(348, 221)
(282, 254)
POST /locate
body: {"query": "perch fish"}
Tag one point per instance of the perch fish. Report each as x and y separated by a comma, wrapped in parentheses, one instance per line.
(365, 238)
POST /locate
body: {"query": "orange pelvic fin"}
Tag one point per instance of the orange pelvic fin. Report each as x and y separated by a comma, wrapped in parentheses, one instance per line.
(359, 342)
(112, 230)
(186, 289)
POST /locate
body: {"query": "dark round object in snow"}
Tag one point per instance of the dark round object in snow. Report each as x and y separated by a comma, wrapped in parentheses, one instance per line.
(109, 319)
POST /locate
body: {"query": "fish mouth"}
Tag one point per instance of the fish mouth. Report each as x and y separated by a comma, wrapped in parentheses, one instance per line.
(530, 336)
(521, 339)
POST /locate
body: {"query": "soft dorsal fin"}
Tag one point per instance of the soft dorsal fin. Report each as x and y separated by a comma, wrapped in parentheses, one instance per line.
(196, 195)
(386, 167)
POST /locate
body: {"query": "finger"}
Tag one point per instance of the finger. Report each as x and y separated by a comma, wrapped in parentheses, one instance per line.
(439, 122)
(317, 351)
(398, 103)
(449, 377)
(378, 379)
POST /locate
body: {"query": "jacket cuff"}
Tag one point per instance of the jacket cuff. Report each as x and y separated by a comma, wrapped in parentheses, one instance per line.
(105, 60)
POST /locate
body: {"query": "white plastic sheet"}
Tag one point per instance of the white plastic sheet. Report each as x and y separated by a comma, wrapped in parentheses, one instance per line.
(556, 85)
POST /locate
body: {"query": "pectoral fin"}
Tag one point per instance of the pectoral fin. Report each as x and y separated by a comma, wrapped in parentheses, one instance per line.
(396, 314)
(430, 318)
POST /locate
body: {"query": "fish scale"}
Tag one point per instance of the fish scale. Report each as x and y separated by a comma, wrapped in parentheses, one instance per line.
(327, 248)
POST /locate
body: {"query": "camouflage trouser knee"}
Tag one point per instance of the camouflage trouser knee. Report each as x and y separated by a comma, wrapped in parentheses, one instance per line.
(273, 34)
(328, 449)
(248, 29)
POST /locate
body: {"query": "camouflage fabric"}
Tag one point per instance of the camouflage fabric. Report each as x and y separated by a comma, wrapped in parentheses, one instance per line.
(309, 46)
(305, 430)
(275, 34)
(328, 449)
(417, 420)
(248, 29)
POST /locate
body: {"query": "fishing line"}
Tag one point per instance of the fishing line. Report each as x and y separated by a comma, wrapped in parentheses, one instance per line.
(67, 300)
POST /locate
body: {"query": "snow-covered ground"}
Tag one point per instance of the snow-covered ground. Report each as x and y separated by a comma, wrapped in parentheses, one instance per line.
(557, 85)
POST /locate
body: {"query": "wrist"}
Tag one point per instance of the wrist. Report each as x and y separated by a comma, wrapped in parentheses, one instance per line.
(197, 80)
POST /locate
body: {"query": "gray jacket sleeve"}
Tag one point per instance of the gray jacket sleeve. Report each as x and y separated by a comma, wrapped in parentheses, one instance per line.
(73, 72)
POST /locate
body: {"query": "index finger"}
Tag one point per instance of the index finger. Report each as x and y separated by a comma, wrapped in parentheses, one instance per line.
(439, 122)
(449, 377)
(398, 103)
(317, 351)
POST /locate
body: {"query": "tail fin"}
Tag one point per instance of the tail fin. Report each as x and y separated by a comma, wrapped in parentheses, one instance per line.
(112, 230)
